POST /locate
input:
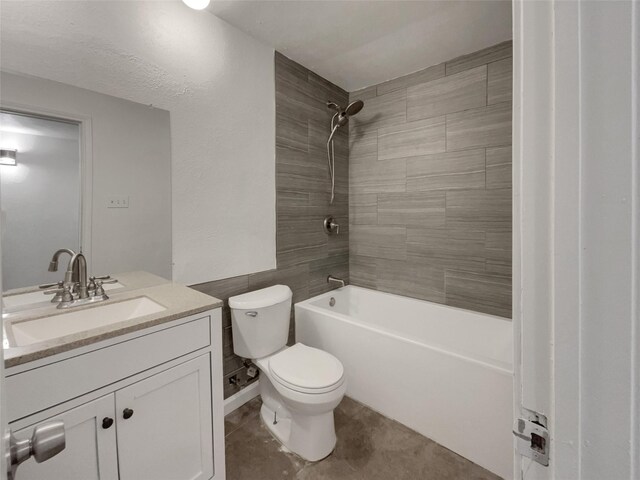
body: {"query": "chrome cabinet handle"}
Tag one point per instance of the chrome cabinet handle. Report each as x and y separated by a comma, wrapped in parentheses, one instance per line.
(251, 314)
(47, 441)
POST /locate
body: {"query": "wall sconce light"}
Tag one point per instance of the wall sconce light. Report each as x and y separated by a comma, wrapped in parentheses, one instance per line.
(197, 4)
(8, 157)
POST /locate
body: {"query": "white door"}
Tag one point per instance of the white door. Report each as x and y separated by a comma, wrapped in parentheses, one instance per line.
(90, 452)
(164, 425)
(576, 180)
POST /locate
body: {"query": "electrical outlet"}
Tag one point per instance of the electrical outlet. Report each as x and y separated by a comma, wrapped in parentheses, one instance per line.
(118, 201)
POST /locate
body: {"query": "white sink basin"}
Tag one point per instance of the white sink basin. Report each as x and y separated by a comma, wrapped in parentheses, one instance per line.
(55, 326)
(26, 301)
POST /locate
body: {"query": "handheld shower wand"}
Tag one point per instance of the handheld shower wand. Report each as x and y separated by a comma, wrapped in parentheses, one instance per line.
(339, 119)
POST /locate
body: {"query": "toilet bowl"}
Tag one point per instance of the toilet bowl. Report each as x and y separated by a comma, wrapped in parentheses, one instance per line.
(300, 386)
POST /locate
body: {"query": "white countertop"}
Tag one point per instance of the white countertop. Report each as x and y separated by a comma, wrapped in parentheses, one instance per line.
(178, 301)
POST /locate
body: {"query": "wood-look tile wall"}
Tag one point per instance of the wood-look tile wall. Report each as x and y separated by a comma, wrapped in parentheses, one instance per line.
(430, 184)
(305, 254)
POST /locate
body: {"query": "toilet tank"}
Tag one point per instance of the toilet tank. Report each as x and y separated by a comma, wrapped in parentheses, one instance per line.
(260, 321)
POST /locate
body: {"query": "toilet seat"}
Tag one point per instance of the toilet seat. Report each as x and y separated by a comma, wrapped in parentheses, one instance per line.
(306, 369)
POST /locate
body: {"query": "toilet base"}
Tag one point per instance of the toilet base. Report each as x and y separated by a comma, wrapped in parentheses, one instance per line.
(311, 437)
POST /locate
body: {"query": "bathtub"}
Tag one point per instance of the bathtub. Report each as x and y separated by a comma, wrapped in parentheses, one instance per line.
(441, 371)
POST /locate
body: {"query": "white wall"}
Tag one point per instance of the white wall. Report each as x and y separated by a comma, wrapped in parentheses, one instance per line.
(218, 84)
(40, 194)
(131, 157)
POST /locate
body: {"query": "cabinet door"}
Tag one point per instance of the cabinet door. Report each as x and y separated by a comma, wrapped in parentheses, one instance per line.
(164, 425)
(90, 452)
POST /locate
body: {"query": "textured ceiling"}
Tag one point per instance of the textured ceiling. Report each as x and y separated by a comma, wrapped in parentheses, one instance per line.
(356, 44)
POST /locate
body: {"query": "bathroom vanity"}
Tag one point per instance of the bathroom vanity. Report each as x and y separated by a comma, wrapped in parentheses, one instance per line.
(139, 391)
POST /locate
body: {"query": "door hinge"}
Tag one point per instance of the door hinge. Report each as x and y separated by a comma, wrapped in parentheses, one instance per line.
(532, 436)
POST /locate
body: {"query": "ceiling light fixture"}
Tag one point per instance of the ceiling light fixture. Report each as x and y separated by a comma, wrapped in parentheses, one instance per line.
(197, 4)
(8, 157)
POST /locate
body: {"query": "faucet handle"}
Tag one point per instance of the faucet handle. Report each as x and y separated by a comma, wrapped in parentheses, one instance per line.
(47, 286)
(52, 291)
(103, 279)
(67, 296)
(100, 290)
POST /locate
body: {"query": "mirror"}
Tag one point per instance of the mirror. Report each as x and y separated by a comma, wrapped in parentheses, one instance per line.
(40, 192)
(92, 173)
(176, 117)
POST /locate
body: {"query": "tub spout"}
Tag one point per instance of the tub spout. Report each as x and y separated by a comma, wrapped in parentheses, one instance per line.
(333, 279)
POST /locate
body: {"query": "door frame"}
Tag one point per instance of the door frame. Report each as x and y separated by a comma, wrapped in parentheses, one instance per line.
(546, 228)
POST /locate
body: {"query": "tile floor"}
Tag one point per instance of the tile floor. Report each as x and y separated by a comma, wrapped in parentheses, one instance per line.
(370, 447)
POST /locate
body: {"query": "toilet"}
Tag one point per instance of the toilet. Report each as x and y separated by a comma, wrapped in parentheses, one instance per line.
(300, 386)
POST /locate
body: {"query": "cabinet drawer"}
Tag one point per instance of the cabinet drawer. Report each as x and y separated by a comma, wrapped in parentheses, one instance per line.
(43, 387)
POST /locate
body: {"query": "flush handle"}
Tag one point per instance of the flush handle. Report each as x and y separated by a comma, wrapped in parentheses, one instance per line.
(251, 314)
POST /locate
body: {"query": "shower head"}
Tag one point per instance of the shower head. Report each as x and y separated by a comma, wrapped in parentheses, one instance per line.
(354, 107)
(343, 114)
(339, 119)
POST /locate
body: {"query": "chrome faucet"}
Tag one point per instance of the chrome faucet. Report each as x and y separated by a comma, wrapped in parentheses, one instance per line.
(79, 263)
(77, 289)
(53, 264)
(331, 278)
(71, 276)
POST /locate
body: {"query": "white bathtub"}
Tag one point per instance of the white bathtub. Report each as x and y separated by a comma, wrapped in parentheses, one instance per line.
(442, 371)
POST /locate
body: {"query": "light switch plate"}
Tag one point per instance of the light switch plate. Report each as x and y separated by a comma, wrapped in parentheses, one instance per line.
(121, 201)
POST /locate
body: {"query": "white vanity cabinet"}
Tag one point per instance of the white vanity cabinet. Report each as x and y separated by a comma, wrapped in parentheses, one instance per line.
(163, 422)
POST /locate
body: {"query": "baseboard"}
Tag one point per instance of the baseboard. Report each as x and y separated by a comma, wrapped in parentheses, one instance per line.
(236, 400)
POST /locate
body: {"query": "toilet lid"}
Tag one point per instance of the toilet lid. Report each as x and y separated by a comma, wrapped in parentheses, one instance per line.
(306, 369)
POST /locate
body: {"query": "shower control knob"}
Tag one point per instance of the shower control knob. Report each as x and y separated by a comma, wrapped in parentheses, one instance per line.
(331, 227)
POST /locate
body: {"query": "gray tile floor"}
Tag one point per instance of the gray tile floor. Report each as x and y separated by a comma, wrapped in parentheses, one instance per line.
(370, 447)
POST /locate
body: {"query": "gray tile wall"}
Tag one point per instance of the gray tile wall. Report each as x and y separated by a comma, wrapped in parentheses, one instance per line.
(305, 254)
(430, 184)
